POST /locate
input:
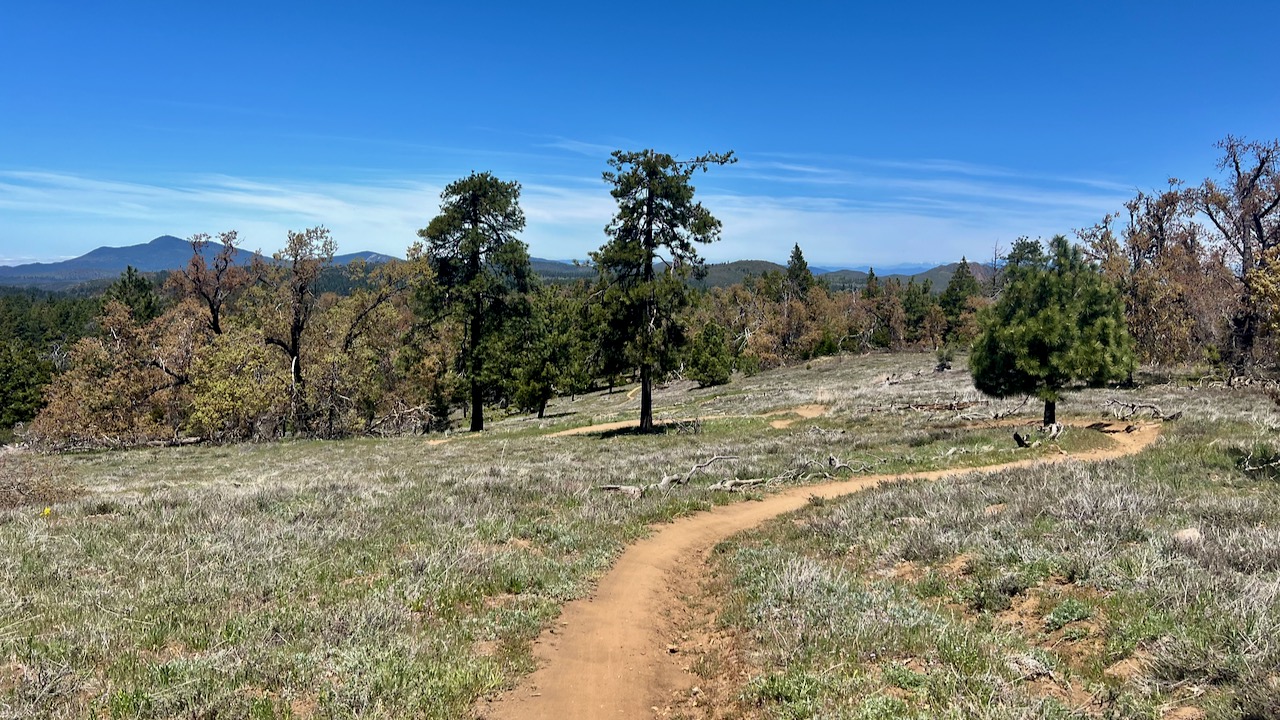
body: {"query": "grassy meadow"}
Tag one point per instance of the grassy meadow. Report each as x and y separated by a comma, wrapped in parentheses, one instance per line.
(395, 578)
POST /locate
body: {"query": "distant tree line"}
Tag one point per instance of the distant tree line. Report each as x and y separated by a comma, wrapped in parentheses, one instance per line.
(293, 346)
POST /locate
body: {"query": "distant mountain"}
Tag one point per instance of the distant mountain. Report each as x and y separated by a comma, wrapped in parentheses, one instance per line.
(844, 279)
(939, 276)
(166, 253)
(732, 273)
(560, 270)
(163, 254)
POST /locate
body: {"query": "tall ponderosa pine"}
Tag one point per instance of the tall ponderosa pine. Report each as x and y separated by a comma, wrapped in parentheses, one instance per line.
(482, 271)
(1057, 323)
(657, 222)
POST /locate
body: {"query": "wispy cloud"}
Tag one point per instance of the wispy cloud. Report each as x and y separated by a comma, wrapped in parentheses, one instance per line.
(589, 149)
(846, 210)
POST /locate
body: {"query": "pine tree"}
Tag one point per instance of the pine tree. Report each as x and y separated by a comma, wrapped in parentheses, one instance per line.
(871, 290)
(137, 293)
(1057, 324)
(799, 278)
(553, 349)
(482, 270)
(955, 299)
(710, 362)
(23, 377)
(917, 302)
(657, 223)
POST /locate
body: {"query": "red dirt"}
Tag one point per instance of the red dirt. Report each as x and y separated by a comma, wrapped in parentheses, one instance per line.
(619, 653)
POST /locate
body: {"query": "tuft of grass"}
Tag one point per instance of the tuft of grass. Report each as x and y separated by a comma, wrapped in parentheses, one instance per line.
(1068, 611)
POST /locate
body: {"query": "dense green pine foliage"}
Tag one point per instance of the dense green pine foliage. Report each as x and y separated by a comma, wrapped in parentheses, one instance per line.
(1057, 323)
(657, 223)
(710, 362)
(482, 274)
(955, 299)
(554, 347)
(137, 293)
(799, 277)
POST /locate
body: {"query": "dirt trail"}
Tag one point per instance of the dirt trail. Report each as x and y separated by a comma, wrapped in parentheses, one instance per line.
(617, 653)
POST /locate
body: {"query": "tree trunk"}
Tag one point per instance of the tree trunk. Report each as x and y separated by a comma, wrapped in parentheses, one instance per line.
(1244, 333)
(477, 407)
(650, 304)
(646, 398)
(1050, 412)
(542, 408)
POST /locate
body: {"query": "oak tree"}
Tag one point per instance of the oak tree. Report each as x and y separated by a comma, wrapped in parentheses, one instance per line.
(1244, 210)
(214, 281)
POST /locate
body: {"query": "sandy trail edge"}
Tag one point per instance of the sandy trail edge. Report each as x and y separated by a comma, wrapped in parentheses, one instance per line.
(608, 656)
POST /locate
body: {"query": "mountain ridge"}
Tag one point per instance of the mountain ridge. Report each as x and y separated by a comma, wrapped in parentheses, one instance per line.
(166, 253)
(162, 254)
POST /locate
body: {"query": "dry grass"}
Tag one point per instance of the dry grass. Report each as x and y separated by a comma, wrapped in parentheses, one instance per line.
(392, 578)
(1065, 591)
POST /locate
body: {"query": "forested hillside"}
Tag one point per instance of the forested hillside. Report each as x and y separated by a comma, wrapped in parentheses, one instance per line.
(226, 350)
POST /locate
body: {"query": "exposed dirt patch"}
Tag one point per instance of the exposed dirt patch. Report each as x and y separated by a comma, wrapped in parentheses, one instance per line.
(804, 412)
(625, 651)
(1070, 695)
(1128, 668)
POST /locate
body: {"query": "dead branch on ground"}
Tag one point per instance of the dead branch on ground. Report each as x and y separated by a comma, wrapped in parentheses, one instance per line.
(999, 415)
(896, 378)
(667, 481)
(808, 470)
(1054, 430)
(1248, 464)
(1126, 410)
(955, 404)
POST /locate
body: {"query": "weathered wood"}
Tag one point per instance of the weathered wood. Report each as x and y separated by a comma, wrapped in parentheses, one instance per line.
(1126, 410)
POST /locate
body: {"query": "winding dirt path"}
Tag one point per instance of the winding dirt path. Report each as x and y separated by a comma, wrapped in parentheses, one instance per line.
(616, 654)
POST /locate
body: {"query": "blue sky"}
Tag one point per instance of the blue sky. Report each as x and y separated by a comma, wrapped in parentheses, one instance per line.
(869, 133)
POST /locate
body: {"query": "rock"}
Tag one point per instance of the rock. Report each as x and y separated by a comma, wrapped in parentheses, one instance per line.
(1188, 536)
